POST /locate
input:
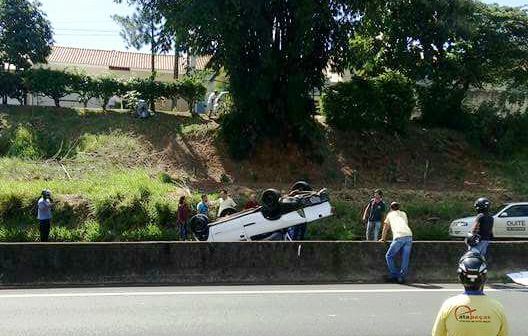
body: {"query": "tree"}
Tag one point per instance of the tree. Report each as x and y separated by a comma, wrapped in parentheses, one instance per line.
(144, 28)
(274, 53)
(447, 46)
(106, 87)
(51, 83)
(25, 33)
(84, 86)
(11, 86)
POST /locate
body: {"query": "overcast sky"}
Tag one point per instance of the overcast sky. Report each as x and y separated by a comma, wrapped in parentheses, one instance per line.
(87, 23)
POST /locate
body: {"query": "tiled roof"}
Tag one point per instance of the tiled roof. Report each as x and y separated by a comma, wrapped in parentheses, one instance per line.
(118, 59)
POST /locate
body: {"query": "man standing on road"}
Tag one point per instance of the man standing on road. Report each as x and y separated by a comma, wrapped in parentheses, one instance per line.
(373, 215)
(483, 226)
(44, 215)
(471, 313)
(401, 241)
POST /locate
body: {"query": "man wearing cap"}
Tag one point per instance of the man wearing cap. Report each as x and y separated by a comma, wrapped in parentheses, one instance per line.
(397, 221)
(44, 215)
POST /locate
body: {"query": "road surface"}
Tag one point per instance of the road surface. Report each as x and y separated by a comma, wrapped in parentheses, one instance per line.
(239, 310)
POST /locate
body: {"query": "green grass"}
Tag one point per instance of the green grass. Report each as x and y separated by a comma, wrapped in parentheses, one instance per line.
(101, 167)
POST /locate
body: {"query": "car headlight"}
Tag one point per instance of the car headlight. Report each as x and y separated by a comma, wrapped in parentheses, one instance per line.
(460, 224)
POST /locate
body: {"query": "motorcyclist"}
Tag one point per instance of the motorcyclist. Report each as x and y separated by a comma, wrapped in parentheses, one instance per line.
(483, 226)
(472, 313)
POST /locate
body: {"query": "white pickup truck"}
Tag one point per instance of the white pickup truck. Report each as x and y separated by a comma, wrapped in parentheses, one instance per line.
(277, 214)
(509, 222)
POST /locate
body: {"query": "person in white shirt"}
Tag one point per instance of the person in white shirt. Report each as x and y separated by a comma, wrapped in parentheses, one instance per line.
(397, 221)
(211, 102)
(226, 205)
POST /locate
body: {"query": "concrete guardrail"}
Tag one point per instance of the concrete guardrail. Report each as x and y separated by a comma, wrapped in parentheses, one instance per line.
(64, 264)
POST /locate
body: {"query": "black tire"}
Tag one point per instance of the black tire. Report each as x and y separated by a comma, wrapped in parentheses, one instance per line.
(270, 198)
(301, 186)
(199, 225)
(227, 212)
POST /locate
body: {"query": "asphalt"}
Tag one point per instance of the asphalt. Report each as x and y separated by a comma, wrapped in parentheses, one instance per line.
(239, 310)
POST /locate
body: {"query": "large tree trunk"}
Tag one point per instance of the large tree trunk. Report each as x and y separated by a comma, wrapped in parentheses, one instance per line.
(57, 102)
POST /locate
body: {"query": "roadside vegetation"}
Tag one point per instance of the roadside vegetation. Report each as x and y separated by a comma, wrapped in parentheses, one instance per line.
(118, 178)
(403, 120)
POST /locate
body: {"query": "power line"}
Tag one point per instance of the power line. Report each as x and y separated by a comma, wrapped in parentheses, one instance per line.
(87, 30)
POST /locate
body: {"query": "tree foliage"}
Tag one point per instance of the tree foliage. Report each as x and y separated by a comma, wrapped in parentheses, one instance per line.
(145, 27)
(11, 85)
(384, 102)
(274, 53)
(52, 83)
(25, 33)
(447, 46)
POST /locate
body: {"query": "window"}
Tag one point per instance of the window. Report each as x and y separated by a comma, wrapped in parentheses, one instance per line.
(118, 68)
(517, 211)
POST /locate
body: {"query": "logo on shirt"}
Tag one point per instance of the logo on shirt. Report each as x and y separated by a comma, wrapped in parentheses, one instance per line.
(468, 314)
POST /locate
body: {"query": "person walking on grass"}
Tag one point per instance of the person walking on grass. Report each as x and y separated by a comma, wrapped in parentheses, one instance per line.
(401, 242)
(373, 215)
(183, 215)
(44, 215)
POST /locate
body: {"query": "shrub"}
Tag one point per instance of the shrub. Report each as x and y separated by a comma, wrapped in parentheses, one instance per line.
(23, 144)
(189, 89)
(441, 106)
(84, 86)
(384, 102)
(12, 86)
(105, 87)
(52, 83)
(398, 99)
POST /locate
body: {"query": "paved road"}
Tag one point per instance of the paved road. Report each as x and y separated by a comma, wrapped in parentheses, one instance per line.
(238, 310)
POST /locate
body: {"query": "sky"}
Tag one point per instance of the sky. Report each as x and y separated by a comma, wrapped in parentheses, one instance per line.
(88, 23)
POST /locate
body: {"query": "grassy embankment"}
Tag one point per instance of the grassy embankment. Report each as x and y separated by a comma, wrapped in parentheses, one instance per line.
(116, 178)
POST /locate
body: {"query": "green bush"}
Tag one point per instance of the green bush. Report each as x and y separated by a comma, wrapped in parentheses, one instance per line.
(398, 100)
(23, 144)
(106, 87)
(498, 131)
(12, 86)
(52, 83)
(441, 106)
(381, 103)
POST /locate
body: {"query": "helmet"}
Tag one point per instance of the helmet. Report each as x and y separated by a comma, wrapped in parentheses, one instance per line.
(482, 205)
(46, 193)
(472, 270)
(472, 239)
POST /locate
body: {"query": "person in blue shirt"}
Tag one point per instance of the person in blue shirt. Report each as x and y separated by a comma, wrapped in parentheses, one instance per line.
(203, 206)
(44, 215)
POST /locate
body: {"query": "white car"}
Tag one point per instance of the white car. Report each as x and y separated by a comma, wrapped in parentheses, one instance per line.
(276, 215)
(510, 222)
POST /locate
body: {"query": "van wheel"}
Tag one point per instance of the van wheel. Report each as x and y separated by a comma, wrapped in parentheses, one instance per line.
(200, 227)
(301, 186)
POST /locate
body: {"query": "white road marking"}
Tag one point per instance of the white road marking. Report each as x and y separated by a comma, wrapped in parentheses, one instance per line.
(241, 292)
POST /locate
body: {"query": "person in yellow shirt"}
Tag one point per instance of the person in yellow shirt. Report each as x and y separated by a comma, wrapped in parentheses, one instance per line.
(471, 313)
(397, 221)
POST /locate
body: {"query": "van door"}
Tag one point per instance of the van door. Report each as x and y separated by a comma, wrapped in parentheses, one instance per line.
(512, 222)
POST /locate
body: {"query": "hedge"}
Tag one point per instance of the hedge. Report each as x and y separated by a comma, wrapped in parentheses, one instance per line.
(58, 84)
